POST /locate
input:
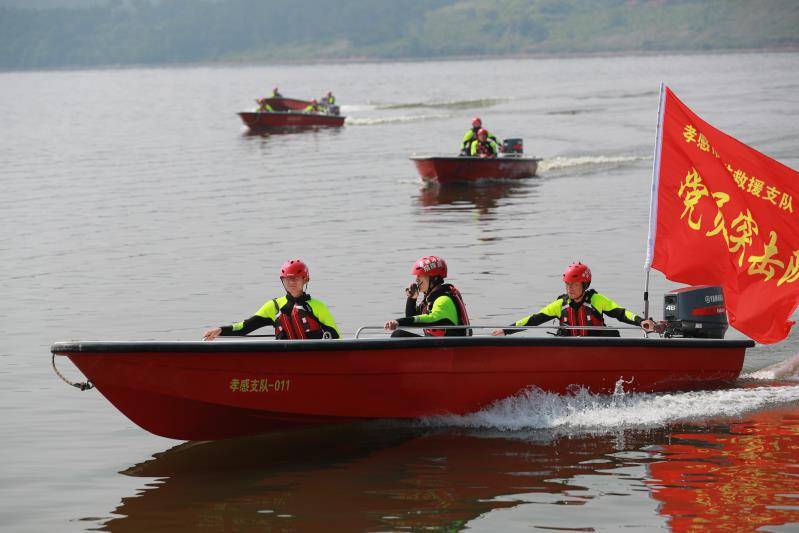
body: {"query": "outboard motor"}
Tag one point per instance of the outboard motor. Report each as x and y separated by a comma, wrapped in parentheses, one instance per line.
(513, 147)
(696, 312)
(333, 109)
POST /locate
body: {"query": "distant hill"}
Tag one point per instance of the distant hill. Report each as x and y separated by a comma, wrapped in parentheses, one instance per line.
(81, 33)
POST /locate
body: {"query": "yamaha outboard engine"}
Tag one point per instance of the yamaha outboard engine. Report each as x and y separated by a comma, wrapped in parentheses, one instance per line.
(513, 146)
(333, 109)
(697, 312)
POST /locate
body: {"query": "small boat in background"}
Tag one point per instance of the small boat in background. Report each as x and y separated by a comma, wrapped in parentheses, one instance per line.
(510, 164)
(287, 113)
(259, 121)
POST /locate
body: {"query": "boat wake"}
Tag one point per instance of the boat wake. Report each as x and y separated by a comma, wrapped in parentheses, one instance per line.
(785, 370)
(448, 104)
(588, 162)
(583, 411)
(392, 120)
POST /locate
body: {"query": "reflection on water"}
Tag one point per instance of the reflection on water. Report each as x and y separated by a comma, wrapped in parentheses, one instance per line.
(266, 133)
(485, 195)
(391, 477)
(737, 478)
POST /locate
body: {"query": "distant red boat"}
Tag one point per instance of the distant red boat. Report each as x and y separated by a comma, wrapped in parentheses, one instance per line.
(214, 390)
(265, 121)
(445, 169)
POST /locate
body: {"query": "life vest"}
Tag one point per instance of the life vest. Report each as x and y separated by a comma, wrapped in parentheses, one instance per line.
(583, 315)
(485, 148)
(463, 317)
(299, 322)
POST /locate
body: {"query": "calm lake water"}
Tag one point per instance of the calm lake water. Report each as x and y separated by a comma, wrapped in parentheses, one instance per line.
(136, 206)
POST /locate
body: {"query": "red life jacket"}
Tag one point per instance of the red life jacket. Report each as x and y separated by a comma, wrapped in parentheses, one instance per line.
(463, 317)
(485, 148)
(298, 323)
(583, 315)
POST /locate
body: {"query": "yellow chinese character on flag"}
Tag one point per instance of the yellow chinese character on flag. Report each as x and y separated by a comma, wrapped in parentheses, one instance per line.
(763, 264)
(792, 272)
(244, 385)
(771, 194)
(234, 384)
(755, 186)
(721, 199)
(689, 133)
(703, 143)
(744, 227)
(695, 191)
(785, 202)
(740, 178)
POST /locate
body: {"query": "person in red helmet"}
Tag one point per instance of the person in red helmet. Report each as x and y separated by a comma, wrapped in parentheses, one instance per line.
(471, 135)
(581, 306)
(483, 146)
(294, 316)
(314, 107)
(442, 304)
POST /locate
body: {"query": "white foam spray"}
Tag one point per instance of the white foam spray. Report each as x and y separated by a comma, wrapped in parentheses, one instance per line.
(584, 411)
(560, 163)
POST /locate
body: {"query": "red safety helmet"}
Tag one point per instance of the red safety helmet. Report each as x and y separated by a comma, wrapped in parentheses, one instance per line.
(577, 272)
(314, 101)
(476, 122)
(294, 267)
(482, 133)
(430, 265)
(329, 93)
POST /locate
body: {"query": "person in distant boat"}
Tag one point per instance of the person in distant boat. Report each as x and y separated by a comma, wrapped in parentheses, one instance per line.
(328, 99)
(442, 304)
(314, 107)
(294, 316)
(470, 136)
(276, 93)
(483, 146)
(263, 106)
(580, 306)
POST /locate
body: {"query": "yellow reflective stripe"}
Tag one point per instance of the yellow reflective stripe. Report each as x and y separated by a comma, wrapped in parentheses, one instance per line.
(443, 308)
(268, 310)
(603, 304)
(553, 310)
(322, 313)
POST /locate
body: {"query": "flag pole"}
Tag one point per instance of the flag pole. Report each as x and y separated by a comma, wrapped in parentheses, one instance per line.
(653, 200)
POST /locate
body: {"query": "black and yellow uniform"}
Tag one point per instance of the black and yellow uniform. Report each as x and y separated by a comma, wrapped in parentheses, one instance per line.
(328, 100)
(293, 318)
(470, 136)
(587, 312)
(443, 306)
(313, 108)
(486, 148)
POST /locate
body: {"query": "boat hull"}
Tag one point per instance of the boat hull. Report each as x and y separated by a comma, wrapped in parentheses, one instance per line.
(266, 121)
(206, 391)
(452, 169)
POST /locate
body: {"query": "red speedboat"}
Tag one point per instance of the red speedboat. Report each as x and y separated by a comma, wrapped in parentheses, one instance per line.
(446, 169)
(265, 121)
(213, 390)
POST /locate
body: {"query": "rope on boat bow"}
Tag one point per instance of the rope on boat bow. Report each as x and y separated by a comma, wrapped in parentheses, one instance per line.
(82, 386)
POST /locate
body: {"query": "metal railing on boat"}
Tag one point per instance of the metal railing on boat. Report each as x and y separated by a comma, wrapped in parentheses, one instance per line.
(504, 327)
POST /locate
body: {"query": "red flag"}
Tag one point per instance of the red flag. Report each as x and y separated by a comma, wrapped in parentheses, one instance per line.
(723, 214)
